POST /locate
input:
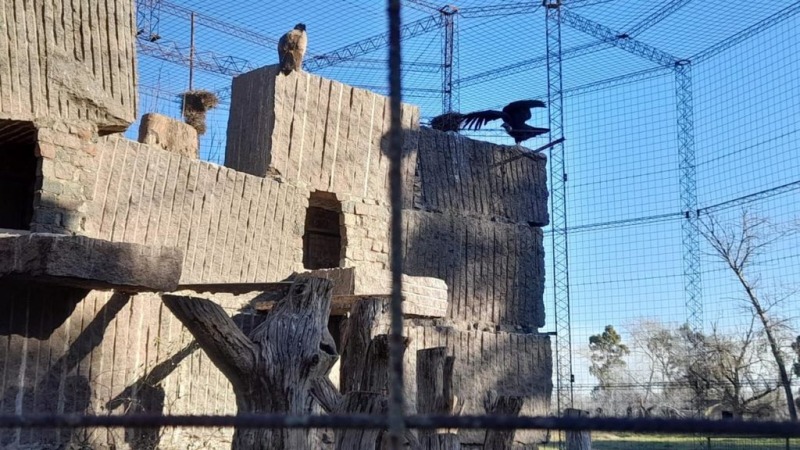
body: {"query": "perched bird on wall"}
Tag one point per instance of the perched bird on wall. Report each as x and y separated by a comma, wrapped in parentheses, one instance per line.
(292, 48)
(514, 116)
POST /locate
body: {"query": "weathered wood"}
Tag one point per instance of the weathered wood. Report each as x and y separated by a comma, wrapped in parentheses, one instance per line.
(501, 405)
(434, 384)
(274, 368)
(326, 394)
(356, 339)
(375, 373)
(580, 439)
(361, 403)
(447, 441)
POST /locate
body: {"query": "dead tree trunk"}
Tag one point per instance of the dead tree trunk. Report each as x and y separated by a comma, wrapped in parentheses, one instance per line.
(371, 403)
(371, 378)
(272, 369)
(448, 441)
(435, 392)
(503, 405)
(356, 339)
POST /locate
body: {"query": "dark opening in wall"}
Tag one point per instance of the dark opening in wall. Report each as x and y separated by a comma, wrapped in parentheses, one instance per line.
(17, 173)
(323, 237)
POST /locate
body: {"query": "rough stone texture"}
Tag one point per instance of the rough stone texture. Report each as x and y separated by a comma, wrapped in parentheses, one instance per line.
(89, 263)
(104, 353)
(169, 134)
(231, 227)
(495, 270)
(475, 178)
(68, 61)
(311, 130)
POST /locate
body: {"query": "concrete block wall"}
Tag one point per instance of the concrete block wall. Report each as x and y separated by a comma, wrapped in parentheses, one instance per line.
(231, 226)
(68, 61)
(313, 131)
(494, 271)
(473, 178)
(481, 199)
(366, 240)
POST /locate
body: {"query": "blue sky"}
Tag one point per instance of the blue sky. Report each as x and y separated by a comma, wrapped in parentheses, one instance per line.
(621, 146)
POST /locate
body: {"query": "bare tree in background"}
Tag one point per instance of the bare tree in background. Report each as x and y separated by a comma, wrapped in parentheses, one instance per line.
(663, 359)
(730, 371)
(738, 246)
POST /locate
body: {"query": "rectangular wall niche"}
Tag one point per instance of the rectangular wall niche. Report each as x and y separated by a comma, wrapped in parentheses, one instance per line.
(324, 232)
(17, 174)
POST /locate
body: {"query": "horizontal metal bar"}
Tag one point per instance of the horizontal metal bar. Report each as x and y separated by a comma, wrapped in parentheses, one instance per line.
(362, 421)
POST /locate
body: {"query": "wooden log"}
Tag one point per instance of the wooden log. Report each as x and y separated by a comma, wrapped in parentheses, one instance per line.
(580, 439)
(501, 405)
(375, 373)
(273, 368)
(326, 394)
(448, 441)
(361, 403)
(434, 384)
(356, 339)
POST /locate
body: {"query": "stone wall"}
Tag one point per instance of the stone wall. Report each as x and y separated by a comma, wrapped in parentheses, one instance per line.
(473, 213)
(313, 131)
(494, 271)
(479, 179)
(68, 61)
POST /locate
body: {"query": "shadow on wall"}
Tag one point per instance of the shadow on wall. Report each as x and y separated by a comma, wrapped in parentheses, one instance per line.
(35, 310)
(462, 223)
(57, 390)
(146, 396)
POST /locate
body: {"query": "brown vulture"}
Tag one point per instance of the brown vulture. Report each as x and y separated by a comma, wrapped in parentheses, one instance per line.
(292, 48)
(514, 116)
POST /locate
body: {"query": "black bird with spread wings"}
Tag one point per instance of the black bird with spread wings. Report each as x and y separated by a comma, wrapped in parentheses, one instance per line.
(514, 116)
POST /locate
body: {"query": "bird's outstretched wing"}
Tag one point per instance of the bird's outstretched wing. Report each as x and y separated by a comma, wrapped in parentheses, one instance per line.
(450, 121)
(521, 109)
(475, 120)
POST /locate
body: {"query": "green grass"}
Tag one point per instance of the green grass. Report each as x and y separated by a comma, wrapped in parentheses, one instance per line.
(627, 441)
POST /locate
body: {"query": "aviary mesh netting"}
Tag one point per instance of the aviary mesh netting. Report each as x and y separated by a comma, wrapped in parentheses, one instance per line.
(677, 115)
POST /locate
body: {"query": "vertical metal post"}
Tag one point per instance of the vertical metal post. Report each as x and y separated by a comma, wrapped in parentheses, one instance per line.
(448, 55)
(687, 168)
(396, 403)
(558, 208)
(689, 231)
(191, 51)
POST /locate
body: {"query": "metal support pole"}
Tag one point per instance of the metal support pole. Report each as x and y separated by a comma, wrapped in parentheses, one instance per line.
(558, 208)
(191, 51)
(396, 417)
(687, 168)
(448, 55)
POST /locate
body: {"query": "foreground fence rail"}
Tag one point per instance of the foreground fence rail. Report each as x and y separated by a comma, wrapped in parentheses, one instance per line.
(777, 429)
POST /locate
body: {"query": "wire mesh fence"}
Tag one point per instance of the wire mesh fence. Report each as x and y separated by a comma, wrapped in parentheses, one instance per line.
(627, 248)
(679, 190)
